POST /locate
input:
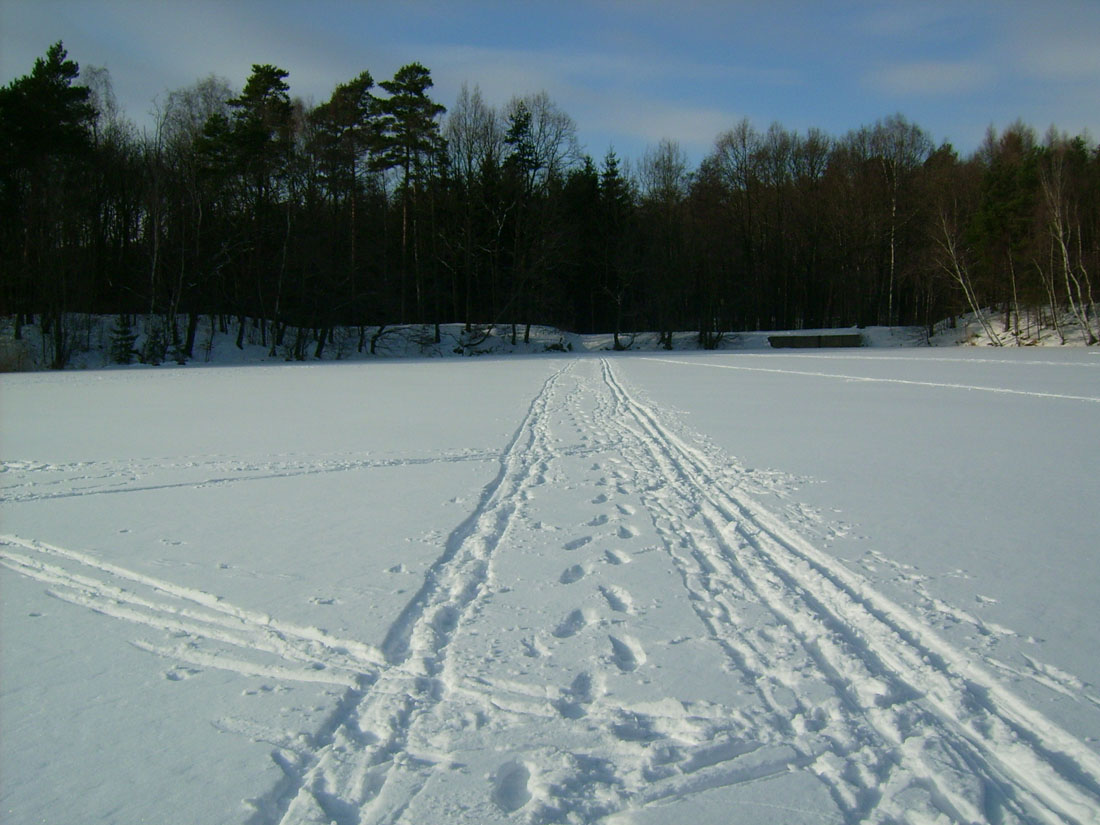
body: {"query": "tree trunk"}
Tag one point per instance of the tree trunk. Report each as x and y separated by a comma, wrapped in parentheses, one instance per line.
(60, 343)
(192, 330)
(321, 339)
(374, 339)
(957, 269)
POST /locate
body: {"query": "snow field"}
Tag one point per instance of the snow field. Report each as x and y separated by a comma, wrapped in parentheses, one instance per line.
(591, 615)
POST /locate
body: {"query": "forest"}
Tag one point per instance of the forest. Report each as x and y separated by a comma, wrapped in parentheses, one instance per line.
(381, 206)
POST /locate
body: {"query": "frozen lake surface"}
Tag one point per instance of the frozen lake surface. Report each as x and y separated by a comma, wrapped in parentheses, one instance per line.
(718, 587)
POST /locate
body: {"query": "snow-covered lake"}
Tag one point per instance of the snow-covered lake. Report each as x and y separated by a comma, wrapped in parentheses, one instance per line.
(713, 588)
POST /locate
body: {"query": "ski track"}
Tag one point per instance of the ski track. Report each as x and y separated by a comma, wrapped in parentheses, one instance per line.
(364, 772)
(834, 679)
(34, 479)
(943, 359)
(869, 380)
(209, 631)
(901, 689)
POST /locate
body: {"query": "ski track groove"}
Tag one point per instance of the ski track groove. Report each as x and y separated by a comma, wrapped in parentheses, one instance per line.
(249, 471)
(380, 780)
(109, 589)
(864, 379)
(905, 712)
(1042, 772)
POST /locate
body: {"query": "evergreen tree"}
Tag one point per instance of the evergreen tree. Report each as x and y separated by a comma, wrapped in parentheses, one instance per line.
(616, 224)
(261, 145)
(45, 146)
(410, 141)
(261, 135)
(581, 196)
(122, 340)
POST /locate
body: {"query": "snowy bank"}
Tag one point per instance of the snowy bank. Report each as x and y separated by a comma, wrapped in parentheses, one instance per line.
(93, 341)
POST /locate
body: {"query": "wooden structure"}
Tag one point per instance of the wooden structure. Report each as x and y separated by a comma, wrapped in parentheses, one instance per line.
(815, 341)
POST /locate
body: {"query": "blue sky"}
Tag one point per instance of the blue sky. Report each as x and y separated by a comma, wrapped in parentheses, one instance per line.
(629, 73)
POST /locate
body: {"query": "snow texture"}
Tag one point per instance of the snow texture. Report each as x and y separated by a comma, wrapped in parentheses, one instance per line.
(555, 589)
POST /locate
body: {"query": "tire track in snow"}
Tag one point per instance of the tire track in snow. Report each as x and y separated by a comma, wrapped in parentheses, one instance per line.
(363, 769)
(938, 721)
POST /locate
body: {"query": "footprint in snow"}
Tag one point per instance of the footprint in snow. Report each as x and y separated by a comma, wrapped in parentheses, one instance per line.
(583, 691)
(533, 648)
(600, 499)
(627, 653)
(178, 674)
(617, 598)
(571, 625)
(598, 521)
(616, 557)
(585, 688)
(572, 574)
(576, 544)
(627, 532)
(510, 791)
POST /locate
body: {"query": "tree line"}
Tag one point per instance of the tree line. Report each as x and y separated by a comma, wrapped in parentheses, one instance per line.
(379, 206)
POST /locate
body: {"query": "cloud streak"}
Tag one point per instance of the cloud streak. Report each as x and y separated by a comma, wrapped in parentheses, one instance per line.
(932, 77)
(629, 73)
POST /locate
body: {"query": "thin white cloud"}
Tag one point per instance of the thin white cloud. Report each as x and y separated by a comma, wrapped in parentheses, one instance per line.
(502, 73)
(1063, 56)
(631, 101)
(903, 20)
(695, 128)
(931, 77)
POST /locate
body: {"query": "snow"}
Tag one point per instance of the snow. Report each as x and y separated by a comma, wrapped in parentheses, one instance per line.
(741, 586)
(91, 340)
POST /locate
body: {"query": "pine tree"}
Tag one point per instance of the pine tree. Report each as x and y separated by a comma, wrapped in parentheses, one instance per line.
(45, 145)
(410, 140)
(616, 214)
(122, 341)
(155, 348)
